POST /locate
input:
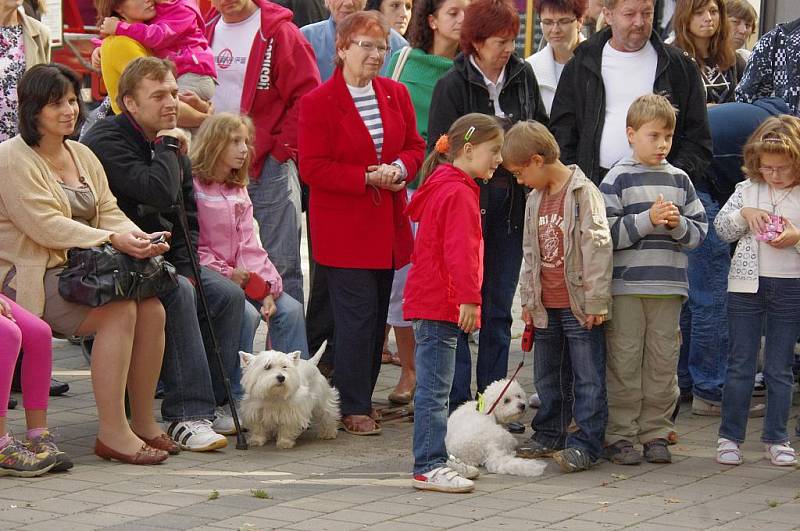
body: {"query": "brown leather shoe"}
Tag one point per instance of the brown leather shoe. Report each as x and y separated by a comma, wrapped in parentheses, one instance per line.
(162, 442)
(147, 455)
(402, 398)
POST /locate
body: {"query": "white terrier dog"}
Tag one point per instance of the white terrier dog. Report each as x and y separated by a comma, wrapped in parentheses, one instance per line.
(479, 439)
(284, 395)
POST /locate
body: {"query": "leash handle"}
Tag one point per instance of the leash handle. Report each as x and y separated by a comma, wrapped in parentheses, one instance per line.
(521, 363)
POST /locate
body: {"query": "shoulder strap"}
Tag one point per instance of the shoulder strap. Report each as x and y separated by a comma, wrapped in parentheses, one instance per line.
(401, 62)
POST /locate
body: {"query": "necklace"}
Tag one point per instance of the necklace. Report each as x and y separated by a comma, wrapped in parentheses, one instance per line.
(774, 202)
(59, 169)
(47, 159)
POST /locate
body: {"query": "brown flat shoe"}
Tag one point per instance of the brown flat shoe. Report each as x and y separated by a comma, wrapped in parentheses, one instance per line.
(147, 455)
(162, 442)
(386, 356)
(402, 398)
(357, 425)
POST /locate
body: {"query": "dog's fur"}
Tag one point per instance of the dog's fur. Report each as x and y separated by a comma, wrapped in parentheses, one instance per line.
(284, 395)
(479, 439)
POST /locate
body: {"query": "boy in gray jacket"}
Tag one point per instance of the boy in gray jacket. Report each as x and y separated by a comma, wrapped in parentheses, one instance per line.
(654, 215)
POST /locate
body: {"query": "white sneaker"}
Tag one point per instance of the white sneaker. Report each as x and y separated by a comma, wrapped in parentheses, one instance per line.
(223, 421)
(463, 469)
(534, 401)
(442, 479)
(196, 435)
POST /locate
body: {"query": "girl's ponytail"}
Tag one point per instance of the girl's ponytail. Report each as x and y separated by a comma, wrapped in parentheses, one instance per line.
(439, 155)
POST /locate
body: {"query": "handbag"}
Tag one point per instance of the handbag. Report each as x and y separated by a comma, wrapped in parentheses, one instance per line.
(401, 62)
(99, 275)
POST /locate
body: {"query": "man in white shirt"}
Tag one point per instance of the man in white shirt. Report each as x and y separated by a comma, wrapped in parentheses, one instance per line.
(264, 66)
(608, 72)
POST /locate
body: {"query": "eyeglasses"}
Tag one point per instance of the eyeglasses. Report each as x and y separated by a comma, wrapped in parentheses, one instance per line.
(369, 47)
(780, 171)
(562, 22)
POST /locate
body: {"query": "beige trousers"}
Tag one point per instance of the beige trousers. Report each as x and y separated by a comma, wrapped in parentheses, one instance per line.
(643, 347)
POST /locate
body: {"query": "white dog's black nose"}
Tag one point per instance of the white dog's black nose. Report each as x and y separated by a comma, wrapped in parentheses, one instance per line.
(281, 378)
(521, 407)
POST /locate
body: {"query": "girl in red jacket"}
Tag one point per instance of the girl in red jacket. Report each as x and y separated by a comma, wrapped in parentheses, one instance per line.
(443, 290)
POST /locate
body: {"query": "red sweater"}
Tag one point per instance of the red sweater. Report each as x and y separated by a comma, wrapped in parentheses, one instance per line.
(447, 264)
(281, 69)
(355, 225)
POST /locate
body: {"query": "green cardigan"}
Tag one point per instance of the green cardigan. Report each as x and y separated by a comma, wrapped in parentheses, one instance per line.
(420, 74)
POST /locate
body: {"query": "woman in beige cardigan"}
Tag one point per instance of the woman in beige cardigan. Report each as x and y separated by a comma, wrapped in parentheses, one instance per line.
(24, 43)
(55, 196)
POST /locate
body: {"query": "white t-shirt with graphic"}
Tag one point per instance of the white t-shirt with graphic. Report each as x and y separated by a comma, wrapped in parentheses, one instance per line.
(231, 47)
(626, 76)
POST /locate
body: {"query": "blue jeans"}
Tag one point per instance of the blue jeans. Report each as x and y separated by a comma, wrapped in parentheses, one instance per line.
(701, 366)
(188, 392)
(287, 332)
(287, 328)
(225, 301)
(276, 207)
(435, 359)
(777, 300)
(569, 371)
(502, 260)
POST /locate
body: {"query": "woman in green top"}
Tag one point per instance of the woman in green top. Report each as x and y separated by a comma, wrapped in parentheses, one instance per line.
(433, 35)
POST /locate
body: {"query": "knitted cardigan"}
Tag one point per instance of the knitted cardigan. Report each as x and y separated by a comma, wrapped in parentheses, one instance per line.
(36, 225)
(731, 226)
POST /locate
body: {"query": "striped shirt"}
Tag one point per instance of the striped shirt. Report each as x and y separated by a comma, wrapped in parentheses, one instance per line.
(650, 260)
(367, 107)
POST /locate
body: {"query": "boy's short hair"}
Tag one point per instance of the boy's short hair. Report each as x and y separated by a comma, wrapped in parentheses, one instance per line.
(650, 108)
(526, 139)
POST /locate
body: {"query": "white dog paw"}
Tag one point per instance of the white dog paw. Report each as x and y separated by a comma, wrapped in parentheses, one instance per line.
(284, 444)
(327, 435)
(257, 440)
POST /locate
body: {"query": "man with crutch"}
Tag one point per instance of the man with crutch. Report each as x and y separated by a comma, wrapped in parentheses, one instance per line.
(144, 156)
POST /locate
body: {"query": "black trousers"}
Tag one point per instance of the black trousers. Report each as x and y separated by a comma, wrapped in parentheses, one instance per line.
(319, 314)
(360, 300)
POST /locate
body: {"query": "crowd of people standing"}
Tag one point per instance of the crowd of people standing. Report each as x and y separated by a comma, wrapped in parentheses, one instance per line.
(602, 175)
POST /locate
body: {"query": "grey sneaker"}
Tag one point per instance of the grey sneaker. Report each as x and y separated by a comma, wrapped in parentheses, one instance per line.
(656, 451)
(533, 449)
(573, 460)
(223, 421)
(16, 460)
(46, 443)
(623, 453)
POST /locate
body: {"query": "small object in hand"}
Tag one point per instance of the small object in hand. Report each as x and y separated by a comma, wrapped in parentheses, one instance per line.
(256, 288)
(774, 228)
(161, 238)
(527, 338)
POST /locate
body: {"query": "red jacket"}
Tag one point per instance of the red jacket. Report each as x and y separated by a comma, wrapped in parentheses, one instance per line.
(280, 70)
(355, 225)
(447, 264)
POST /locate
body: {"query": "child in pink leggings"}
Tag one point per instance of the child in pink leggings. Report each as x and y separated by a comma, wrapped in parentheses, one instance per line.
(21, 329)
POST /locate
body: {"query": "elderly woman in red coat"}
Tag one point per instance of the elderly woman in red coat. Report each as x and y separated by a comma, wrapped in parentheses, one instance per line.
(358, 144)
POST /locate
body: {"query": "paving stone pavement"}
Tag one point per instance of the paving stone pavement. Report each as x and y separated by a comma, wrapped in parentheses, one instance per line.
(364, 482)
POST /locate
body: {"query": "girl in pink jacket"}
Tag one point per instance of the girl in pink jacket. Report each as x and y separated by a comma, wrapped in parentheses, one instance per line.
(176, 33)
(228, 242)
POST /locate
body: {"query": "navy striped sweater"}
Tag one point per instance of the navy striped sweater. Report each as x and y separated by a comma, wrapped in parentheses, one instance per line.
(650, 260)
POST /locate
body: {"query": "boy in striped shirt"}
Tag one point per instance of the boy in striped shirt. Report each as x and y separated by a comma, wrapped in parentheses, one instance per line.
(654, 215)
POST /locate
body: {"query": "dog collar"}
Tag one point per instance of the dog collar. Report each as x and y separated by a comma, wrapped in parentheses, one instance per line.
(481, 405)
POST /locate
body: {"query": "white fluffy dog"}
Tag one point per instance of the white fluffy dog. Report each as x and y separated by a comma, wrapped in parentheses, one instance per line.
(479, 439)
(284, 395)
